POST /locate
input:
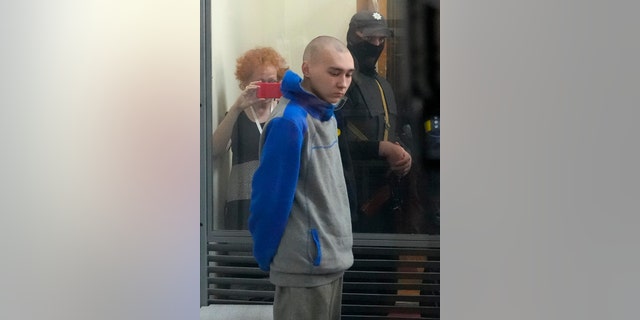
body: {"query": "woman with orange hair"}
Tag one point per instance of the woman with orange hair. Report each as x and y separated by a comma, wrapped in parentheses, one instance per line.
(241, 127)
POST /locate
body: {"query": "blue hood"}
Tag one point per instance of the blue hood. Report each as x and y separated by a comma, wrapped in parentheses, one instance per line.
(292, 89)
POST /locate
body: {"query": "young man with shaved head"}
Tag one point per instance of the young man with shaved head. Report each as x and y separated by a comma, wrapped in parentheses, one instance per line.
(300, 218)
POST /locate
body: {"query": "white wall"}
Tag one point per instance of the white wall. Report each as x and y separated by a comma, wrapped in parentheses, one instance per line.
(285, 25)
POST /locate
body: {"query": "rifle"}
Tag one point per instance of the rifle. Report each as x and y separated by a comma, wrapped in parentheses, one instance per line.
(400, 195)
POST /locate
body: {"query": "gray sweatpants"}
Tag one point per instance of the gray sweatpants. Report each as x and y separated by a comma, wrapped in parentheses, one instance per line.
(314, 303)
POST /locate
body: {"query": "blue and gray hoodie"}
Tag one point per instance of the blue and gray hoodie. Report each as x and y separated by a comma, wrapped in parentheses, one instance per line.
(300, 219)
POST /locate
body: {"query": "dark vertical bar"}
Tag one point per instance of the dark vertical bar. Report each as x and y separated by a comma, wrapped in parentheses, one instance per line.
(206, 192)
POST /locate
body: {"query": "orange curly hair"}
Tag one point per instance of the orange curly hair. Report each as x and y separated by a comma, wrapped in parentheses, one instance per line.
(254, 58)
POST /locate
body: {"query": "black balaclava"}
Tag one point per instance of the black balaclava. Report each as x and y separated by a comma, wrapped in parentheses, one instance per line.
(365, 54)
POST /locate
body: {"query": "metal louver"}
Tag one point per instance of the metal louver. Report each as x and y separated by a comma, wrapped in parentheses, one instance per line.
(394, 276)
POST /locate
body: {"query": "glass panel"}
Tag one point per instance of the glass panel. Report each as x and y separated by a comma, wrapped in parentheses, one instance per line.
(381, 201)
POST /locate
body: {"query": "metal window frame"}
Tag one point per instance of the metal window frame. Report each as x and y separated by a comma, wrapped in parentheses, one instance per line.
(206, 159)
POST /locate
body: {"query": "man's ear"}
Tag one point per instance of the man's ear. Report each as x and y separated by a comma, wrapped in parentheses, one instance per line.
(305, 69)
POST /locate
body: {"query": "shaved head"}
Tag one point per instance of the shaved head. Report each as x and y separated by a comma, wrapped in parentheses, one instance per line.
(327, 66)
(320, 44)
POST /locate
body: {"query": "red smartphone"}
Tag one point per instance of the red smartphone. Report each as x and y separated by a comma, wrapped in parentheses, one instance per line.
(269, 90)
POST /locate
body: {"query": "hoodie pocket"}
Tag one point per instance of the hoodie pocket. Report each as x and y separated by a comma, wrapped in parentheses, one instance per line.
(316, 241)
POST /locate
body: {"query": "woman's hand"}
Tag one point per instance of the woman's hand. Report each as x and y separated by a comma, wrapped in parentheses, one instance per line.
(248, 97)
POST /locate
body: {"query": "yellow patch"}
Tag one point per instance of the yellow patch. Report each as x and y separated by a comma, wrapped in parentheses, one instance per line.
(427, 125)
